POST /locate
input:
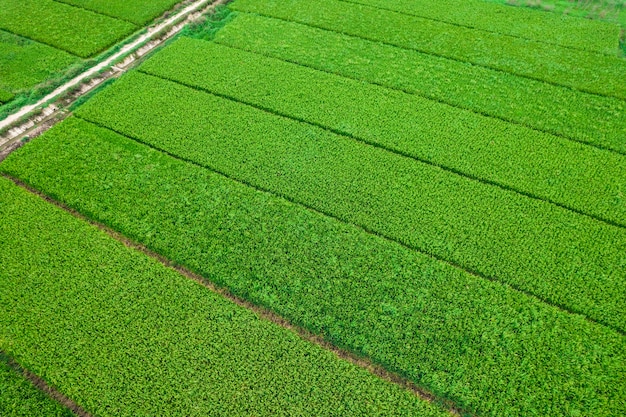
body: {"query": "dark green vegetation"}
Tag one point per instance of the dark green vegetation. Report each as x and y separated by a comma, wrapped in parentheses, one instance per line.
(591, 35)
(479, 343)
(18, 397)
(597, 120)
(124, 336)
(513, 156)
(585, 71)
(403, 199)
(138, 12)
(24, 63)
(77, 31)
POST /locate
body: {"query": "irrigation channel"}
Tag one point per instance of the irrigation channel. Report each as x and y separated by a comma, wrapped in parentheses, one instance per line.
(34, 119)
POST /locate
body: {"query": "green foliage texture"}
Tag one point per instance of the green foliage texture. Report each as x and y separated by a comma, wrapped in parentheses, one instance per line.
(560, 256)
(138, 12)
(124, 336)
(571, 174)
(479, 343)
(25, 63)
(569, 31)
(593, 119)
(74, 30)
(19, 398)
(582, 70)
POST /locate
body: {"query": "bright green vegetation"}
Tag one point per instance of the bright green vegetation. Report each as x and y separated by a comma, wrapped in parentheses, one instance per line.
(5, 96)
(591, 35)
(607, 10)
(588, 118)
(479, 343)
(124, 336)
(138, 12)
(543, 249)
(24, 63)
(532, 162)
(19, 398)
(77, 31)
(585, 71)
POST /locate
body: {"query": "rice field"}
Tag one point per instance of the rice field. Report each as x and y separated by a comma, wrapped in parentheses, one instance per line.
(347, 207)
(43, 40)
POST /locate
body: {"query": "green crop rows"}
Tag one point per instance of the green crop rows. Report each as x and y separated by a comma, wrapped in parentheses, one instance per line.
(56, 24)
(591, 35)
(585, 71)
(42, 41)
(436, 187)
(24, 63)
(460, 336)
(124, 336)
(403, 199)
(19, 398)
(532, 162)
(138, 12)
(593, 119)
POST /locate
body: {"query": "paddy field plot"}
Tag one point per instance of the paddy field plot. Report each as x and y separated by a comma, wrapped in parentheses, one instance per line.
(41, 40)
(451, 212)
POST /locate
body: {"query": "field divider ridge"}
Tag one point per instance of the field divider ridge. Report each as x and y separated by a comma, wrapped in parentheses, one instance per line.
(439, 55)
(40, 383)
(263, 312)
(390, 150)
(365, 229)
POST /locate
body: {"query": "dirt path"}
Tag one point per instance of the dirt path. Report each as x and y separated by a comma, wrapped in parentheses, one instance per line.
(132, 47)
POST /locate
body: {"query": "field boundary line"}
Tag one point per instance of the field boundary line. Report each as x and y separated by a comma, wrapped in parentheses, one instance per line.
(437, 55)
(152, 32)
(46, 388)
(264, 313)
(46, 43)
(490, 31)
(435, 99)
(100, 13)
(395, 152)
(365, 229)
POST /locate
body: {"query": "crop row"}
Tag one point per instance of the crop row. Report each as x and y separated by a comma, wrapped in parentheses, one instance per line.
(582, 70)
(585, 117)
(568, 173)
(138, 12)
(124, 336)
(574, 32)
(77, 31)
(24, 63)
(560, 256)
(19, 398)
(462, 337)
